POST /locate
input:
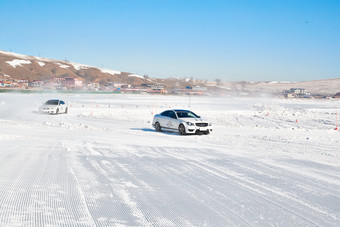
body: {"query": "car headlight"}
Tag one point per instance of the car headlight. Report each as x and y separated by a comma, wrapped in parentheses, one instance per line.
(210, 124)
(190, 124)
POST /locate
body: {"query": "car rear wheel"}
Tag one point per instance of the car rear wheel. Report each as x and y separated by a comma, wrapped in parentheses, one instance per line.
(66, 110)
(181, 129)
(158, 127)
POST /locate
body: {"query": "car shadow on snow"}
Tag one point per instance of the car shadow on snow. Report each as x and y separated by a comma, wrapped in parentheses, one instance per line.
(163, 132)
(40, 113)
(153, 130)
(143, 129)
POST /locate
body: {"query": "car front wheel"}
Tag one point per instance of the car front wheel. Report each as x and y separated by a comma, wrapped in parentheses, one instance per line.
(158, 127)
(181, 129)
(57, 111)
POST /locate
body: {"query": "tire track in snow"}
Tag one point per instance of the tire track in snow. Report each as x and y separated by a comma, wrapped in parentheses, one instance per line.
(239, 185)
(9, 197)
(122, 192)
(194, 195)
(145, 217)
(243, 186)
(90, 173)
(277, 191)
(33, 193)
(85, 190)
(133, 153)
(80, 191)
(252, 186)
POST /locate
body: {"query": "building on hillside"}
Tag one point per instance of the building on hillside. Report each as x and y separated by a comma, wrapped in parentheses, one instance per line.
(120, 85)
(295, 93)
(162, 91)
(11, 84)
(22, 81)
(35, 84)
(157, 87)
(5, 84)
(287, 95)
(93, 86)
(59, 79)
(72, 82)
(298, 91)
(125, 86)
(146, 85)
(199, 88)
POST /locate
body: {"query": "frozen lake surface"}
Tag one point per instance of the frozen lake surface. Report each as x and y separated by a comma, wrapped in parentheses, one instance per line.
(268, 162)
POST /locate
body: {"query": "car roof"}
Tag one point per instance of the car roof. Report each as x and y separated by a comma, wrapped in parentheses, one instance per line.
(179, 110)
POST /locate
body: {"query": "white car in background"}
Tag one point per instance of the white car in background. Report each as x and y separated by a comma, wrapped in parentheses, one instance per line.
(182, 121)
(54, 106)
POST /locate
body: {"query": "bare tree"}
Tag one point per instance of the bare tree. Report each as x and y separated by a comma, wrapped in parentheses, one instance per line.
(218, 82)
(243, 84)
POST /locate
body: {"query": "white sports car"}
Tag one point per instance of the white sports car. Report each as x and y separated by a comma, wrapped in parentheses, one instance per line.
(182, 121)
(54, 106)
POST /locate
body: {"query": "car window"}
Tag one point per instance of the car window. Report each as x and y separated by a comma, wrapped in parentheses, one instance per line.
(52, 102)
(172, 115)
(62, 102)
(186, 114)
(166, 113)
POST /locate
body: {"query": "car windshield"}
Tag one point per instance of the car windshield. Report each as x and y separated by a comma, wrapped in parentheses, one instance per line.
(186, 114)
(52, 102)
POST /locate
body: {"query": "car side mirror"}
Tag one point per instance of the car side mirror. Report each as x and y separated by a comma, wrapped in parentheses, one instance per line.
(174, 117)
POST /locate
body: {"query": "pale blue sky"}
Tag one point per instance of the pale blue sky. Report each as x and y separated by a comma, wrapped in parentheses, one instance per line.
(252, 40)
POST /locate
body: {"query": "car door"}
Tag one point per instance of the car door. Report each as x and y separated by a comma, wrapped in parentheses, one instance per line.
(61, 106)
(163, 119)
(172, 121)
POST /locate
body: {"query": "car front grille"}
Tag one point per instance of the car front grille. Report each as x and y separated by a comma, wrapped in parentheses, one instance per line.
(202, 124)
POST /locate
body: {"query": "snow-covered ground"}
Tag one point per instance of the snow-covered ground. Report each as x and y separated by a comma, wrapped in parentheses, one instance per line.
(268, 162)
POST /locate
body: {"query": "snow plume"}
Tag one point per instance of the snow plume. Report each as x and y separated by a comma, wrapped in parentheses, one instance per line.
(15, 106)
(22, 106)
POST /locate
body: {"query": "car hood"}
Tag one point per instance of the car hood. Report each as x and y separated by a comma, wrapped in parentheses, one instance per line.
(194, 120)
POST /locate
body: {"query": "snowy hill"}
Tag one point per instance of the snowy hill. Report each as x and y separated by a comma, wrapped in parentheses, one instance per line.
(18, 66)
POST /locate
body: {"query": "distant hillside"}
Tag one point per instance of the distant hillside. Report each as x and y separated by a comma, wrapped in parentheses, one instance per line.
(18, 66)
(320, 87)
